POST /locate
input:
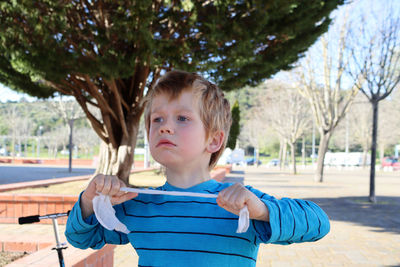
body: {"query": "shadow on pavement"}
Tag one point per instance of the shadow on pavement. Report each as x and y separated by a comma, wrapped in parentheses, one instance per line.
(385, 215)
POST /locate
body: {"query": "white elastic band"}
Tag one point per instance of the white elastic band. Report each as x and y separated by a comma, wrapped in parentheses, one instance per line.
(105, 213)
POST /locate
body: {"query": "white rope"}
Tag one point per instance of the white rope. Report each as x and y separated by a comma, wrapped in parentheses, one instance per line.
(169, 193)
(105, 213)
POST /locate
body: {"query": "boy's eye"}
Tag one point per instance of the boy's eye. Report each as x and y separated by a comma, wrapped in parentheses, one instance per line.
(157, 119)
(182, 118)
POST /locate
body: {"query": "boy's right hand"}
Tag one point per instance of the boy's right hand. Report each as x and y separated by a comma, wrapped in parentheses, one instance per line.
(107, 185)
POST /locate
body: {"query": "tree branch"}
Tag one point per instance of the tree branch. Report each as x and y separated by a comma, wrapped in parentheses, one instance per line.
(118, 101)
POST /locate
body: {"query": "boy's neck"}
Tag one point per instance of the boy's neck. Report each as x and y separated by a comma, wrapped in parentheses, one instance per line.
(187, 178)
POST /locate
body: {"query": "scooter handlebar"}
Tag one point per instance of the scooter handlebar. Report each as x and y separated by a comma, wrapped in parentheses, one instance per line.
(37, 218)
(29, 219)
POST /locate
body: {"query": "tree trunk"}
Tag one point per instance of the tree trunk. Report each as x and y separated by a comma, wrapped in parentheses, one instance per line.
(25, 147)
(372, 197)
(293, 152)
(322, 148)
(365, 155)
(19, 147)
(381, 151)
(284, 152)
(303, 152)
(118, 160)
(281, 142)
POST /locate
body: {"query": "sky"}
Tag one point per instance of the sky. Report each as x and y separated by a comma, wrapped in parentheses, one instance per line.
(7, 94)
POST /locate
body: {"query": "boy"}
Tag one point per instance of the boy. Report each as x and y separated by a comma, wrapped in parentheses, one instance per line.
(187, 121)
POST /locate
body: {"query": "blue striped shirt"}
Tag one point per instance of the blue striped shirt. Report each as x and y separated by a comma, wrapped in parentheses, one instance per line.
(183, 231)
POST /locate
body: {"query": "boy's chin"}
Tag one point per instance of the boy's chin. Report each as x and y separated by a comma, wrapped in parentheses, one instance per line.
(169, 162)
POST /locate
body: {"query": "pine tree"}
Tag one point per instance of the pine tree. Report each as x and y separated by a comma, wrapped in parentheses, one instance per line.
(235, 128)
(108, 53)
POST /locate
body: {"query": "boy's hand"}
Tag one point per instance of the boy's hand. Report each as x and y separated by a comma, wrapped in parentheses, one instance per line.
(107, 185)
(235, 197)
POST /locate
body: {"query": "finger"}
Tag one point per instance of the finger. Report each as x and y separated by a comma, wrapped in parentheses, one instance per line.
(122, 198)
(236, 198)
(221, 198)
(99, 181)
(107, 185)
(224, 197)
(115, 186)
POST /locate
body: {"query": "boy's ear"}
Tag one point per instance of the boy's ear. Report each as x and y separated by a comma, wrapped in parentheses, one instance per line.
(215, 142)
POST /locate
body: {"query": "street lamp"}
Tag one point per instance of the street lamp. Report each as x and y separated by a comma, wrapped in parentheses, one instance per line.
(71, 127)
(38, 134)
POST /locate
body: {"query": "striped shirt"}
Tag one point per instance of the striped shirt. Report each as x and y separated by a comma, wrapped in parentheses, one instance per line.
(183, 231)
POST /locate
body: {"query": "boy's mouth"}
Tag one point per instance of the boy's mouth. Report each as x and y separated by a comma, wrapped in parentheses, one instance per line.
(165, 142)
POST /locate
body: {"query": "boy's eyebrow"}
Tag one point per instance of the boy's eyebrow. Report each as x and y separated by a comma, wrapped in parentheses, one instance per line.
(180, 109)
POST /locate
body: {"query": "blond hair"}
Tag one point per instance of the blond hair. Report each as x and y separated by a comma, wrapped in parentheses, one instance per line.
(214, 107)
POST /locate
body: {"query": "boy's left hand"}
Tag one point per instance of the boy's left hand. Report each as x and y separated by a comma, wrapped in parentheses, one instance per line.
(235, 197)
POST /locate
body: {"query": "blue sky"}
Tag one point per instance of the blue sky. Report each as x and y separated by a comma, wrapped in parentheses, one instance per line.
(7, 94)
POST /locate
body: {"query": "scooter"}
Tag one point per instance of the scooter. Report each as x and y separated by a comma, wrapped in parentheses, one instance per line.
(36, 218)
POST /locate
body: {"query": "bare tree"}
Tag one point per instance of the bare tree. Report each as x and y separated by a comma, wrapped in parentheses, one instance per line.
(355, 129)
(360, 125)
(288, 113)
(13, 121)
(55, 139)
(86, 139)
(324, 86)
(388, 125)
(377, 57)
(70, 111)
(253, 130)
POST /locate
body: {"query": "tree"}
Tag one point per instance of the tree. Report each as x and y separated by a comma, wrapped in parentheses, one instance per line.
(235, 128)
(253, 132)
(85, 139)
(377, 57)
(70, 112)
(360, 124)
(107, 54)
(388, 125)
(287, 112)
(55, 139)
(329, 97)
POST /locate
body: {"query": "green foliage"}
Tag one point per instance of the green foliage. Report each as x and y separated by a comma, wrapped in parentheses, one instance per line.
(247, 97)
(235, 128)
(106, 53)
(236, 43)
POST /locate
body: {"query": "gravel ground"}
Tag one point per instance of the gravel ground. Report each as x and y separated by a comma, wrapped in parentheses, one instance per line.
(7, 257)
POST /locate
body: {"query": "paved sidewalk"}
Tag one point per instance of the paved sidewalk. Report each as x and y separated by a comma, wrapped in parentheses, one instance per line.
(361, 234)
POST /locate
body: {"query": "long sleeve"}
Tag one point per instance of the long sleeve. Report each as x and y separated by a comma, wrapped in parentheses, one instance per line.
(88, 233)
(290, 221)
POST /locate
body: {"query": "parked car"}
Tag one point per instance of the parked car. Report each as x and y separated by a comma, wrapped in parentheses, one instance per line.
(390, 163)
(252, 161)
(273, 162)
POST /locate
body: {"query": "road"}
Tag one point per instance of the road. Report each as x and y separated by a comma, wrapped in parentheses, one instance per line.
(19, 173)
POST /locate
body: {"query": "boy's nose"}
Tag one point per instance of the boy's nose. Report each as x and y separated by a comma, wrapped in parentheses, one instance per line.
(166, 128)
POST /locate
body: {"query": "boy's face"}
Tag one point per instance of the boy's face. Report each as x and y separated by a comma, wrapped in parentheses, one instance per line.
(177, 136)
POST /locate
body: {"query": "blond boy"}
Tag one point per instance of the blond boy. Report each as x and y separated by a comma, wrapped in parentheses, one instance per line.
(187, 121)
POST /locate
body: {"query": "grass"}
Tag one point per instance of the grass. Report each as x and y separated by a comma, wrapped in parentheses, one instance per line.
(141, 179)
